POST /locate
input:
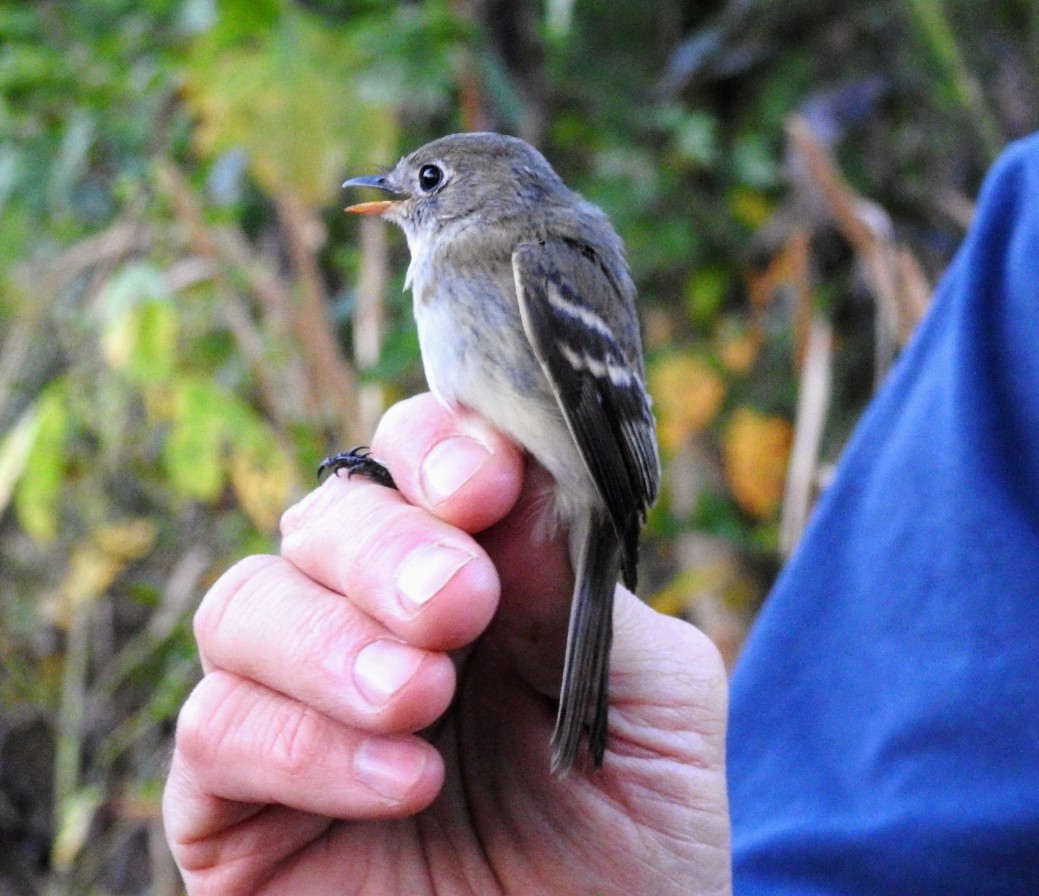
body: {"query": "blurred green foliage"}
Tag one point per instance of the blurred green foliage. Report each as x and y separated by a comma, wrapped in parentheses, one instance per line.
(173, 261)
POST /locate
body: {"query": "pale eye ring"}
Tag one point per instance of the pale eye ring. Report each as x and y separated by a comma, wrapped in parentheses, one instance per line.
(430, 177)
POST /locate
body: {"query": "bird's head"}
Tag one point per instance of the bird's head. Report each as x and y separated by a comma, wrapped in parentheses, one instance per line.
(483, 177)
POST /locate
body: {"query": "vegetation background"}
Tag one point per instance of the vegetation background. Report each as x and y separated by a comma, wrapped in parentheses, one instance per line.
(188, 322)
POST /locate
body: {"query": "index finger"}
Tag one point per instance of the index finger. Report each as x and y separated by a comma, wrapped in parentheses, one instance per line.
(451, 463)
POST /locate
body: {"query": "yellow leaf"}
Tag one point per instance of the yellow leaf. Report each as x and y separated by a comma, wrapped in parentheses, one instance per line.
(738, 351)
(687, 393)
(756, 448)
(97, 560)
(75, 816)
(263, 482)
(752, 207)
(720, 576)
(128, 539)
(91, 571)
(673, 599)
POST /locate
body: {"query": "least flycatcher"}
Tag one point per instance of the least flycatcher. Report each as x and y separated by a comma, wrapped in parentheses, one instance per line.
(525, 313)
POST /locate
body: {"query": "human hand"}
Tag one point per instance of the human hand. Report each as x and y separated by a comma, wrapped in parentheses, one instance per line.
(378, 701)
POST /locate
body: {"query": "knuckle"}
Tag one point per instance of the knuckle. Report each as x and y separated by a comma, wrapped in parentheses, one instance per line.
(295, 741)
(227, 722)
(207, 719)
(314, 505)
(320, 631)
(213, 610)
(377, 541)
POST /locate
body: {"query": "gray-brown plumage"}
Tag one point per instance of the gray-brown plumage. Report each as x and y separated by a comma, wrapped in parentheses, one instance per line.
(525, 312)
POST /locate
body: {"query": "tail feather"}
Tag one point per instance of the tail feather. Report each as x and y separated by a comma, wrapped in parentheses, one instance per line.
(584, 697)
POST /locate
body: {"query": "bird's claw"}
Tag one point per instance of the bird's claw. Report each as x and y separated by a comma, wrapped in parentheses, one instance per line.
(357, 460)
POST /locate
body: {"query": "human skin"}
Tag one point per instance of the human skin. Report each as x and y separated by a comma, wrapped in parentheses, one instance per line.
(378, 700)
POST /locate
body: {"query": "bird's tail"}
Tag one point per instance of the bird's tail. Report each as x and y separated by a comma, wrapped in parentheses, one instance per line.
(584, 698)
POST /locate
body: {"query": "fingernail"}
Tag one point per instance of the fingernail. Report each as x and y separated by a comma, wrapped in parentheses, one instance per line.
(391, 768)
(425, 571)
(449, 465)
(383, 668)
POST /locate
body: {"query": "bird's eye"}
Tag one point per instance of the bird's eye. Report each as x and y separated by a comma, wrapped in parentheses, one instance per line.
(429, 177)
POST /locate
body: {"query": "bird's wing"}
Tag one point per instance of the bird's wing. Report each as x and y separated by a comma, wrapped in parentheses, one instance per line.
(585, 335)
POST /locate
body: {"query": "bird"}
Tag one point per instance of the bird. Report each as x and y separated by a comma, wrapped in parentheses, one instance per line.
(525, 309)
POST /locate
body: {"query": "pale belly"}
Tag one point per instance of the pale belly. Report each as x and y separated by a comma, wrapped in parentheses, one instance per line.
(493, 371)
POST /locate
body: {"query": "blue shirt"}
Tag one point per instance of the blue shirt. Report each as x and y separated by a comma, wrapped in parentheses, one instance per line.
(884, 734)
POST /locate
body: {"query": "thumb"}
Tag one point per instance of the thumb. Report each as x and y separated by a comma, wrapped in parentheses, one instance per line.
(668, 684)
(668, 688)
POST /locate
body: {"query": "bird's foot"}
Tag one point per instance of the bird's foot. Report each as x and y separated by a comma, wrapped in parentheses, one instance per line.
(357, 460)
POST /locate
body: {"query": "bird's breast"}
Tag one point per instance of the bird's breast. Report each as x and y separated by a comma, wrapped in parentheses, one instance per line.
(470, 334)
(476, 355)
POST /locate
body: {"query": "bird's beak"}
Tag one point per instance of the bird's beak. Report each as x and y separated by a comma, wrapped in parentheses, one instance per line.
(379, 182)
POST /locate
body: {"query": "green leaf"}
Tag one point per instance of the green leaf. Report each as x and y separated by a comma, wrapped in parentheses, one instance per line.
(262, 474)
(399, 355)
(193, 453)
(288, 99)
(754, 162)
(32, 462)
(76, 814)
(696, 138)
(139, 325)
(247, 19)
(15, 450)
(705, 290)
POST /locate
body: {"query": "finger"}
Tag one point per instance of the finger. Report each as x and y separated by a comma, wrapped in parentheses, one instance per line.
(668, 689)
(429, 583)
(453, 464)
(668, 694)
(239, 742)
(266, 621)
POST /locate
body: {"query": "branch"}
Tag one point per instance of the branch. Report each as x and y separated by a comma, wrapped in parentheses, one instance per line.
(333, 380)
(320, 379)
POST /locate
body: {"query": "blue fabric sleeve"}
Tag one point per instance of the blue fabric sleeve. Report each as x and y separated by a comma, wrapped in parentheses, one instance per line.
(884, 733)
